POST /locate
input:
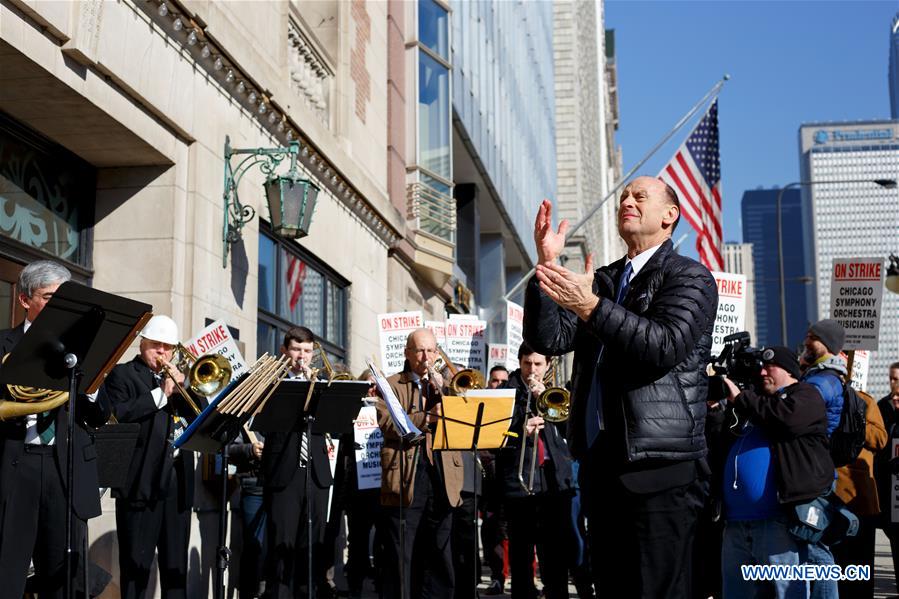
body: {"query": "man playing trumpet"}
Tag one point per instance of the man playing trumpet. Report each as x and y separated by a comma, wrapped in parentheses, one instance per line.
(428, 485)
(287, 459)
(153, 507)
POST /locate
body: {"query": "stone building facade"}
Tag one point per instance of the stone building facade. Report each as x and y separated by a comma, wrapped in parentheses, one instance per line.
(113, 120)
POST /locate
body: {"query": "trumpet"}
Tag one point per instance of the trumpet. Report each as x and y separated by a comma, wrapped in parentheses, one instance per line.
(462, 380)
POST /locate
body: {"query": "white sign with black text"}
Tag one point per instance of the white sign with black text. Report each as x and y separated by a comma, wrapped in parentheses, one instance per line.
(466, 341)
(514, 333)
(731, 315)
(393, 329)
(856, 294)
(216, 339)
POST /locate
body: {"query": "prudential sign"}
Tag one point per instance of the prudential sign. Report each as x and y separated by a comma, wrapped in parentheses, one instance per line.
(823, 136)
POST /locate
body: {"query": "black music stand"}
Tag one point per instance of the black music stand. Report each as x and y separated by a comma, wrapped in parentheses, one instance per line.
(211, 432)
(115, 444)
(331, 408)
(79, 336)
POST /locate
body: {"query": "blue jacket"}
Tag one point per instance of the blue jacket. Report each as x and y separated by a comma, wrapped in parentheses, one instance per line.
(826, 376)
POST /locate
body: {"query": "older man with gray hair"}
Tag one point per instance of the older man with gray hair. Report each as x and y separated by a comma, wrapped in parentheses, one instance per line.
(33, 463)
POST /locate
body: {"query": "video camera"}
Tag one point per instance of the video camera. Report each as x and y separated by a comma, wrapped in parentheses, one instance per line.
(739, 361)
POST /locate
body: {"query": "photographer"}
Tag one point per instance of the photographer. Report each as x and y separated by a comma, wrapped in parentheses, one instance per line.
(777, 456)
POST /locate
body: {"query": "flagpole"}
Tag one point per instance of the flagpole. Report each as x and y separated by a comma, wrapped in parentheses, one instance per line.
(716, 89)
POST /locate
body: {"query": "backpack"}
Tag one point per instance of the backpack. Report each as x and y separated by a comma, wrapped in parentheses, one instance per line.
(848, 439)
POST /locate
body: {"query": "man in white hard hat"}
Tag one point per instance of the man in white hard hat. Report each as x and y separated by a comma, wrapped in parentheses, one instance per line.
(153, 507)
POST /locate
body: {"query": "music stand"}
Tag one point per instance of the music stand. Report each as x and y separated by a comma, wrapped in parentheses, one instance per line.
(211, 432)
(79, 336)
(480, 420)
(115, 444)
(331, 408)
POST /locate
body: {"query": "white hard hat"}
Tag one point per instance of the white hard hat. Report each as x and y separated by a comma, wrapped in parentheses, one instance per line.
(161, 328)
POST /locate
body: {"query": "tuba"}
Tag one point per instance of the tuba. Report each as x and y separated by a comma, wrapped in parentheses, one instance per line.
(462, 380)
(30, 400)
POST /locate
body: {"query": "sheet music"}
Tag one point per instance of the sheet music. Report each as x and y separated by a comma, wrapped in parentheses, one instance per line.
(408, 431)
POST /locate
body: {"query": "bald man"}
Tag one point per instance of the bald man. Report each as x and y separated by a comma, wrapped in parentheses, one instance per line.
(640, 329)
(428, 485)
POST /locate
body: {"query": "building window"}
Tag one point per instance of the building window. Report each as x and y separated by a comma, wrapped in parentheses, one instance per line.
(433, 28)
(434, 116)
(430, 192)
(47, 194)
(297, 289)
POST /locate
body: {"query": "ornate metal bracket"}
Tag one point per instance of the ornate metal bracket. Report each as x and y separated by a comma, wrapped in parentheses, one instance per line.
(237, 215)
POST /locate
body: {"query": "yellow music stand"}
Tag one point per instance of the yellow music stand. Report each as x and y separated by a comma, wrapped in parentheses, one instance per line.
(480, 420)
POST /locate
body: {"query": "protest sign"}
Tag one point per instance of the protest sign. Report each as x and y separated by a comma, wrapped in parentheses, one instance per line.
(393, 329)
(856, 294)
(731, 315)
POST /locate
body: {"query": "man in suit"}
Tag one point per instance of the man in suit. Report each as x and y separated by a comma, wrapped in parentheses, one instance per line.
(33, 466)
(287, 459)
(641, 332)
(153, 507)
(429, 484)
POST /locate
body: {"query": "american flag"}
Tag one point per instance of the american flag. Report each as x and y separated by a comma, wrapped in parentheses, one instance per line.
(695, 173)
(296, 274)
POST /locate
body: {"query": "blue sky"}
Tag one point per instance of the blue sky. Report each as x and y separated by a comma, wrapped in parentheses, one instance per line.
(790, 62)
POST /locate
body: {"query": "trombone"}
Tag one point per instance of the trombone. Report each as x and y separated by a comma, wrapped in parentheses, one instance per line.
(528, 487)
(553, 405)
(462, 380)
(205, 376)
(328, 368)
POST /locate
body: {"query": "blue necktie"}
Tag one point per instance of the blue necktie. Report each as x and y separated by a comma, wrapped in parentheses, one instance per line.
(594, 399)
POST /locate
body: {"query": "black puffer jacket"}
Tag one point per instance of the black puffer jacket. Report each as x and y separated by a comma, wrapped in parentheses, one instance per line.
(657, 345)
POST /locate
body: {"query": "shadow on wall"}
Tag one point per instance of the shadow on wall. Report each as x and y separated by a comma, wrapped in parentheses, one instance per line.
(115, 186)
(240, 266)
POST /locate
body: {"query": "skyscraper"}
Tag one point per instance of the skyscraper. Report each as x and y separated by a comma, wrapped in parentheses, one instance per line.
(759, 209)
(738, 260)
(851, 215)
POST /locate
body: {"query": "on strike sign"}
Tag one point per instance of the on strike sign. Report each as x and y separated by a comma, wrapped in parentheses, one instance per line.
(216, 338)
(497, 355)
(856, 295)
(731, 316)
(465, 342)
(393, 329)
(514, 328)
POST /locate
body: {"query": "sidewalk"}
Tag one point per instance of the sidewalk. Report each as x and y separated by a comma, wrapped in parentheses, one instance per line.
(884, 582)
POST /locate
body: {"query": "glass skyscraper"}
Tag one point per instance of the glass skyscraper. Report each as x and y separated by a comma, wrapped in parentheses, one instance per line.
(759, 212)
(503, 97)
